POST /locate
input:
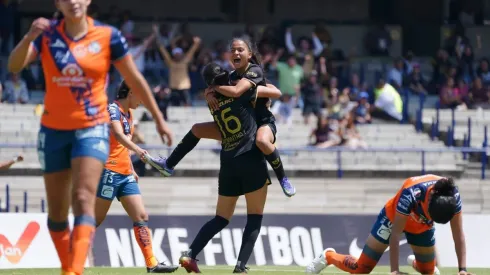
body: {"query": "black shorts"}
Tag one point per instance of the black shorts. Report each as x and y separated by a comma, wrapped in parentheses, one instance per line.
(273, 127)
(243, 174)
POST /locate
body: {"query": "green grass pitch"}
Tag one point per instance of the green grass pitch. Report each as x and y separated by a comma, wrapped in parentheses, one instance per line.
(265, 270)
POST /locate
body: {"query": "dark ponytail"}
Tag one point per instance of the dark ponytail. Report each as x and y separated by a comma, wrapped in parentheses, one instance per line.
(256, 57)
(443, 203)
(445, 187)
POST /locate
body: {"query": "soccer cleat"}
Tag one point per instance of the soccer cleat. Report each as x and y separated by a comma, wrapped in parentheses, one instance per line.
(241, 270)
(162, 268)
(288, 189)
(187, 262)
(160, 164)
(411, 262)
(319, 263)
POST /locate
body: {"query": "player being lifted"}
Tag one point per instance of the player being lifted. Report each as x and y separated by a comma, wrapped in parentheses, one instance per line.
(421, 202)
(121, 181)
(266, 134)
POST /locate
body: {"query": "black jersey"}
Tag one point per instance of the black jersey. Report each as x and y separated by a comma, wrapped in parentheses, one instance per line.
(236, 122)
(255, 74)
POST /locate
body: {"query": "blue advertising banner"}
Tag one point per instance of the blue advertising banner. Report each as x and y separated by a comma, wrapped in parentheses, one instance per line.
(283, 240)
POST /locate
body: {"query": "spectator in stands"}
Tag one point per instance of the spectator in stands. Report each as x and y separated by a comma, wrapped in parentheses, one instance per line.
(378, 41)
(165, 35)
(479, 95)
(388, 103)
(178, 64)
(326, 133)
(283, 110)
(15, 90)
(138, 50)
(457, 41)
(271, 73)
(197, 82)
(483, 72)
(350, 135)
(7, 164)
(408, 62)
(162, 97)
(466, 59)
(397, 74)
(440, 65)
(354, 87)
(416, 81)
(290, 75)
(449, 95)
(361, 112)
(311, 91)
(224, 60)
(305, 48)
(127, 25)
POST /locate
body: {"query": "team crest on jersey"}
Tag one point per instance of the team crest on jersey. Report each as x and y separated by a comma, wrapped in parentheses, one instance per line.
(80, 51)
(417, 192)
(251, 74)
(94, 47)
(72, 70)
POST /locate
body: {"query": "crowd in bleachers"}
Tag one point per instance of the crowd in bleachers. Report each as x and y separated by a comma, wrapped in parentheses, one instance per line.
(310, 73)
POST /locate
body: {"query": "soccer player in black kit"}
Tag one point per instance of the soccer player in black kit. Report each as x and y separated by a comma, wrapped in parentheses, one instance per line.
(266, 134)
(243, 168)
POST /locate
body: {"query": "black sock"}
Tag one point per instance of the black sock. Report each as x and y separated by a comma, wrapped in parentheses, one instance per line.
(250, 235)
(275, 161)
(206, 233)
(183, 148)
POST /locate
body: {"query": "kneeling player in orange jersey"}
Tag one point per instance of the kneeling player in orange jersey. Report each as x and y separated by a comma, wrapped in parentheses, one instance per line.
(420, 202)
(119, 179)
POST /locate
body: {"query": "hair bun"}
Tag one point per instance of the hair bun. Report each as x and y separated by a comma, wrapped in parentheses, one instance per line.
(445, 187)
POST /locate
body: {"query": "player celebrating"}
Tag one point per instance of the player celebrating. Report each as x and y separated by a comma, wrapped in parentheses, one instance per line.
(420, 202)
(243, 168)
(120, 180)
(76, 53)
(266, 134)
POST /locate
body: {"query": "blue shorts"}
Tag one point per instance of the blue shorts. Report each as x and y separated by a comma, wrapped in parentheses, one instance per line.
(56, 148)
(381, 231)
(113, 185)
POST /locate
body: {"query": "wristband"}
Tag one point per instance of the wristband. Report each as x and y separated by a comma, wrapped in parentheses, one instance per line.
(462, 269)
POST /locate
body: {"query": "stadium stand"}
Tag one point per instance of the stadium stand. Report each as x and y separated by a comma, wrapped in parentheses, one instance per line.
(20, 125)
(197, 196)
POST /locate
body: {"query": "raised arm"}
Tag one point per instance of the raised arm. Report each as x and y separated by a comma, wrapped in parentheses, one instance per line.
(190, 54)
(29, 47)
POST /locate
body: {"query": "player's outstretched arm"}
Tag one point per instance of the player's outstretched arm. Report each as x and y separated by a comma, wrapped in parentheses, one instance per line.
(396, 231)
(25, 51)
(269, 91)
(138, 84)
(118, 132)
(459, 241)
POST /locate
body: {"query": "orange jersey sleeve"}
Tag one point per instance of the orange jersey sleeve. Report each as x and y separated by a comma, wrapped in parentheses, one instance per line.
(119, 159)
(76, 73)
(413, 200)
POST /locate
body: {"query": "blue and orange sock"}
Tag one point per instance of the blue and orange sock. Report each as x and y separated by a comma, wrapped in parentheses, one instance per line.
(364, 265)
(81, 242)
(60, 234)
(143, 236)
(425, 263)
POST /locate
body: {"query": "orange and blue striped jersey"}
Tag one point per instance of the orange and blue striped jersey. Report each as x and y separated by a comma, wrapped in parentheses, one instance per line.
(76, 73)
(413, 200)
(119, 160)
